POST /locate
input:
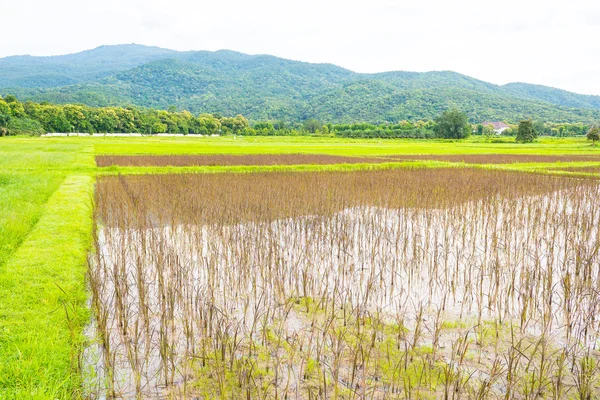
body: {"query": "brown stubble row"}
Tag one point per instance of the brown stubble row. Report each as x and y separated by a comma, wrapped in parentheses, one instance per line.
(230, 160)
(587, 170)
(496, 158)
(448, 283)
(325, 159)
(235, 197)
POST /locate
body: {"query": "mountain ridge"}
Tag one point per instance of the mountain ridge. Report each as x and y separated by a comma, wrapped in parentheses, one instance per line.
(263, 86)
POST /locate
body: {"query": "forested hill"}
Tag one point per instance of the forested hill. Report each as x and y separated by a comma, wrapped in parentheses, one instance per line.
(86, 66)
(264, 87)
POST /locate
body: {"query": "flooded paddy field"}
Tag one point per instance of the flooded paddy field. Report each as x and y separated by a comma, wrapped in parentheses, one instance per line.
(401, 284)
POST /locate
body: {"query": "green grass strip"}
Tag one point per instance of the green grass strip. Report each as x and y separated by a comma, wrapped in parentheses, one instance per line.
(22, 199)
(124, 170)
(43, 294)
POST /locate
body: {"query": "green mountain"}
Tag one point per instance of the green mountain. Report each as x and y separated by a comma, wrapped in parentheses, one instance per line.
(554, 96)
(86, 66)
(263, 87)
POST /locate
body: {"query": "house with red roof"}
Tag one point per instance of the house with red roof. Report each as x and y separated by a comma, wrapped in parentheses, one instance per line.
(499, 127)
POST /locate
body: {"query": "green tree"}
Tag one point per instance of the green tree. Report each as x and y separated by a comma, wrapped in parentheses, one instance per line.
(17, 109)
(562, 131)
(240, 123)
(263, 126)
(539, 127)
(5, 113)
(9, 98)
(279, 125)
(106, 120)
(594, 135)
(452, 124)
(76, 116)
(51, 117)
(25, 126)
(312, 125)
(209, 125)
(525, 132)
(488, 131)
(158, 127)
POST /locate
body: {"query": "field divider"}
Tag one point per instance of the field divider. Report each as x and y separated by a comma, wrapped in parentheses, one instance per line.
(547, 169)
(125, 170)
(43, 296)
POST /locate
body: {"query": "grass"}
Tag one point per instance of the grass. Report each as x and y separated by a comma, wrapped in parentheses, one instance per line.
(43, 294)
(334, 146)
(45, 225)
(22, 197)
(120, 170)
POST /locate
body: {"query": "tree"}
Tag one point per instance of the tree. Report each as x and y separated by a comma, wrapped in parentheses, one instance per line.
(489, 131)
(158, 127)
(209, 125)
(594, 135)
(312, 125)
(525, 132)
(9, 98)
(5, 113)
(17, 109)
(77, 118)
(266, 125)
(453, 124)
(279, 125)
(539, 127)
(240, 123)
(106, 120)
(24, 126)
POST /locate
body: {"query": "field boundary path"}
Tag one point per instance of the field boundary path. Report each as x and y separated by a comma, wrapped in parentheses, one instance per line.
(46, 189)
(42, 287)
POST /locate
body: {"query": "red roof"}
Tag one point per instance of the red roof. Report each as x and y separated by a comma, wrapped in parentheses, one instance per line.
(496, 125)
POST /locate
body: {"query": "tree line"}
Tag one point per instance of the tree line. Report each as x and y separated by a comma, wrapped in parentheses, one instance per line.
(31, 118)
(38, 118)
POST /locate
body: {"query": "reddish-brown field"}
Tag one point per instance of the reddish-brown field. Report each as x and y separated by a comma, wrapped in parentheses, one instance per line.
(230, 160)
(497, 158)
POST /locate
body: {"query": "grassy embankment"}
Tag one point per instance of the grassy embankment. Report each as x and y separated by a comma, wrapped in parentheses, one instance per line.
(45, 226)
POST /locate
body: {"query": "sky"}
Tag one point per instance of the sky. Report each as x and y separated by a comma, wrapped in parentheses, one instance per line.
(549, 42)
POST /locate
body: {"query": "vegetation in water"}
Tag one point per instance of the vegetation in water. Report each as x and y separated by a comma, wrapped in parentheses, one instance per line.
(391, 284)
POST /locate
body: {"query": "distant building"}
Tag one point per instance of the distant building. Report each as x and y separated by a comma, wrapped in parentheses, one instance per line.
(499, 127)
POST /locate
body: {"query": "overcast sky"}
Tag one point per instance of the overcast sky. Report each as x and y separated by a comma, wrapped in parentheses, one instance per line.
(550, 42)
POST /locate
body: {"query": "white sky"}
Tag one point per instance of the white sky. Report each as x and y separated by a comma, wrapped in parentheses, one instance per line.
(550, 42)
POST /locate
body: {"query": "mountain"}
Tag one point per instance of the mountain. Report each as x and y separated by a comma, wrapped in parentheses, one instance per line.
(266, 87)
(86, 66)
(554, 96)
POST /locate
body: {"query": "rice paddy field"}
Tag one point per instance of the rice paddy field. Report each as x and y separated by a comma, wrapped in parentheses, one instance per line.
(299, 268)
